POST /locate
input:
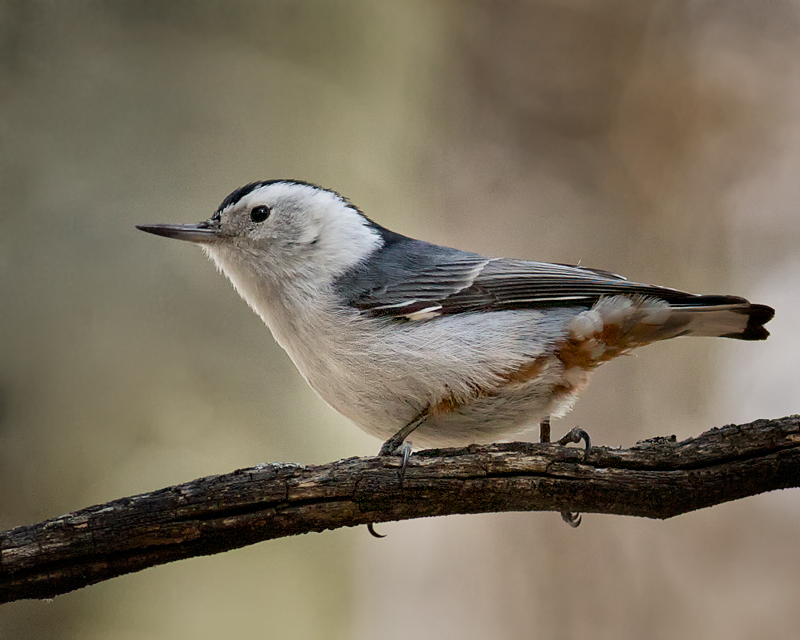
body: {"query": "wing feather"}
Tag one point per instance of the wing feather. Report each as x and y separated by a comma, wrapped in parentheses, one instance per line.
(429, 283)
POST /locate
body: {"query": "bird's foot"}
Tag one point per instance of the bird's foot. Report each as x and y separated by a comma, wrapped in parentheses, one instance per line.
(389, 448)
(398, 446)
(572, 518)
(575, 435)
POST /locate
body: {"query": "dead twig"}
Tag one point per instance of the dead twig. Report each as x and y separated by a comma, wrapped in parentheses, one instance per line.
(658, 478)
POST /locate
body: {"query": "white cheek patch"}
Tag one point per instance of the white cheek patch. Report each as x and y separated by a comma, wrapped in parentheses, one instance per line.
(320, 235)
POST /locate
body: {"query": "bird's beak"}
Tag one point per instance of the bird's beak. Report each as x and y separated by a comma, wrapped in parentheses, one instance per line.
(201, 232)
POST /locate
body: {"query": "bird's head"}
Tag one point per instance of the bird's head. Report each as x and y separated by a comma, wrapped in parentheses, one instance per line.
(281, 228)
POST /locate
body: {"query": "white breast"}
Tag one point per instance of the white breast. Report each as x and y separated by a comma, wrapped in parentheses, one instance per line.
(381, 373)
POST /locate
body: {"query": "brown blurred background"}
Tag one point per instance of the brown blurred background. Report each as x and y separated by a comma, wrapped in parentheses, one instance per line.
(657, 139)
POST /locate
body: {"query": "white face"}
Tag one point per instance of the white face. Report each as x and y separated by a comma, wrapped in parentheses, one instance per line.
(286, 227)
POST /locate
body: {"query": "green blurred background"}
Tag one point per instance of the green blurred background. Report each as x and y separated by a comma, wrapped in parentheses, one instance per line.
(657, 139)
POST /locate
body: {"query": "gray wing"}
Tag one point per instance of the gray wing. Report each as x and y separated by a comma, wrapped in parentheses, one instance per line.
(419, 281)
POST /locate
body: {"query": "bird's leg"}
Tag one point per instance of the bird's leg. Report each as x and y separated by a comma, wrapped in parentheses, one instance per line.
(393, 446)
(397, 445)
(544, 430)
(575, 435)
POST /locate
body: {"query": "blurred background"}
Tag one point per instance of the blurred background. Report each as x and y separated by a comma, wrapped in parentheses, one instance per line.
(657, 139)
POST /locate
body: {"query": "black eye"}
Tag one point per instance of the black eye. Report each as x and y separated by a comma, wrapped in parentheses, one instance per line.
(260, 213)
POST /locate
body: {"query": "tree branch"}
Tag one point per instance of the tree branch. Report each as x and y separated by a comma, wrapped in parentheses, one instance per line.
(658, 478)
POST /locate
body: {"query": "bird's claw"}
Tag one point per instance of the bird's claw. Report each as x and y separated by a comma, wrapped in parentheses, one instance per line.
(394, 446)
(389, 448)
(576, 435)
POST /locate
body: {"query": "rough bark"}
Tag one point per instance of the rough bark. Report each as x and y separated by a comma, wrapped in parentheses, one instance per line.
(658, 478)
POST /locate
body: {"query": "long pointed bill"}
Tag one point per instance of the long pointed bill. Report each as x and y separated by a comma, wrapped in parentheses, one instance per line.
(200, 232)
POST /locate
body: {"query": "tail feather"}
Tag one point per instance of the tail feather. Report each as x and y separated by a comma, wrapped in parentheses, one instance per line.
(741, 320)
(757, 316)
(617, 324)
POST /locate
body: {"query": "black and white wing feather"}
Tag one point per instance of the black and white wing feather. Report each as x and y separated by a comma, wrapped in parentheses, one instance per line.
(413, 280)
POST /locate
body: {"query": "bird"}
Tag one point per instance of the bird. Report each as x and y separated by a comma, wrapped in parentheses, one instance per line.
(417, 342)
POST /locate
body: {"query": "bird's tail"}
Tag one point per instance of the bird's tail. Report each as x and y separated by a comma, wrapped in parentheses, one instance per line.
(617, 324)
(721, 316)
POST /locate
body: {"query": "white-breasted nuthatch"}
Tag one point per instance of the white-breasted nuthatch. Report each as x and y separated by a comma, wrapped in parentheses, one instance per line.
(401, 335)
